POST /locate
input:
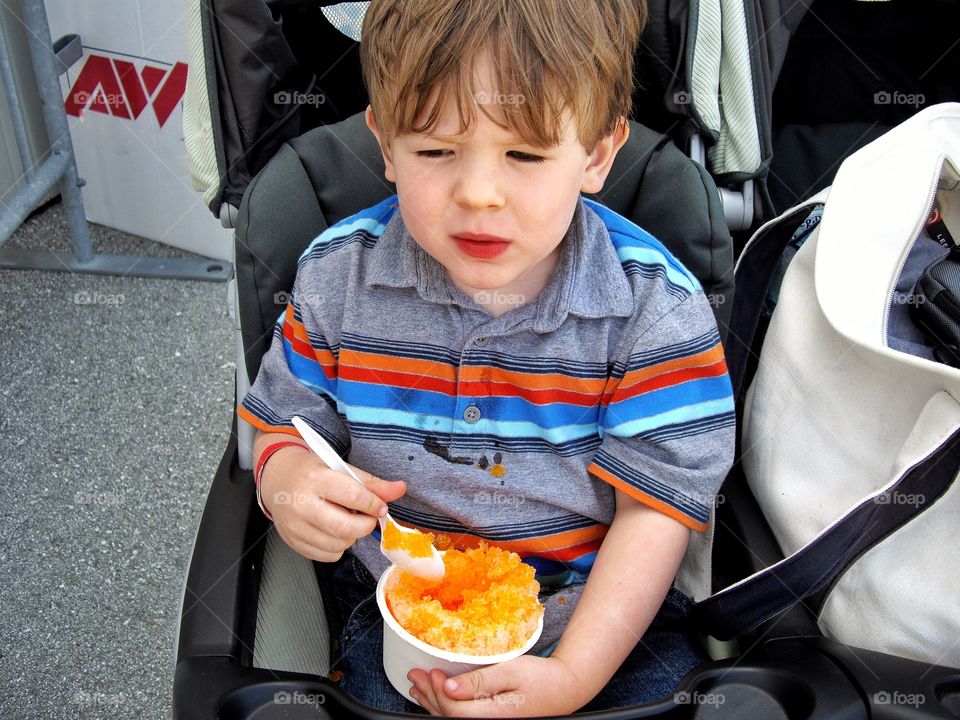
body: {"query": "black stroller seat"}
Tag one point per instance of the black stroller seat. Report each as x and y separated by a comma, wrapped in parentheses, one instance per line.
(252, 613)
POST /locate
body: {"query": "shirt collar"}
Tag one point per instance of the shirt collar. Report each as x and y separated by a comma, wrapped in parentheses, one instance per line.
(588, 280)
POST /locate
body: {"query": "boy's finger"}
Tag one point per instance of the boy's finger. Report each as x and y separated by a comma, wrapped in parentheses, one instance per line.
(423, 692)
(350, 494)
(386, 490)
(337, 522)
(481, 683)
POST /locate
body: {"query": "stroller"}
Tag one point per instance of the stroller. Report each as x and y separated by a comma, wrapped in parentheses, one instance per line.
(253, 639)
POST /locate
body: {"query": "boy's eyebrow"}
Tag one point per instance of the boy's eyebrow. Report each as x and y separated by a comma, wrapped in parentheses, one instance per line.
(453, 139)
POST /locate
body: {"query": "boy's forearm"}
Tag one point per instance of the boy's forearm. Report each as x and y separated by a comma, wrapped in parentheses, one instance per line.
(632, 574)
(262, 439)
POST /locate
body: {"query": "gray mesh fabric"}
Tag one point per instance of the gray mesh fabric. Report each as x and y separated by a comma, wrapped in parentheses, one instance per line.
(292, 631)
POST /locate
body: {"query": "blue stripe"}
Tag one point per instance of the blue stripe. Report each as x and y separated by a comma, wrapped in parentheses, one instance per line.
(369, 402)
(676, 416)
(505, 429)
(548, 567)
(628, 237)
(366, 237)
(309, 372)
(681, 395)
(422, 405)
(647, 263)
(370, 222)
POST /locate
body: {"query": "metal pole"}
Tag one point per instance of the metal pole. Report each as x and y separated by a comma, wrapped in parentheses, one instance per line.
(16, 114)
(55, 118)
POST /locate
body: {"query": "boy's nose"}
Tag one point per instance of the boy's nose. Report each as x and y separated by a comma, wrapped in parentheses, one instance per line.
(478, 187)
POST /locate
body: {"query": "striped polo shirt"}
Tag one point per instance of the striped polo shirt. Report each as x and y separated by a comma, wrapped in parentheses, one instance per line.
(512, 430)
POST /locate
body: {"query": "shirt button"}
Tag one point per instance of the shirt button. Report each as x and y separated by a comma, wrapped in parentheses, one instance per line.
(480, 341)
(471, 414)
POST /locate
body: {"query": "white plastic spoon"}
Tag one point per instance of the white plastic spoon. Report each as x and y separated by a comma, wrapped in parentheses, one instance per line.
(432, 567)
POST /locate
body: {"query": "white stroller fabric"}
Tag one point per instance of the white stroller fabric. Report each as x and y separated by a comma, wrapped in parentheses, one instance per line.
(834, 415)
(723, 87)
(198, 131)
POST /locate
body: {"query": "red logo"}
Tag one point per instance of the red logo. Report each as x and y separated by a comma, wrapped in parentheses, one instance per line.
(116, 87)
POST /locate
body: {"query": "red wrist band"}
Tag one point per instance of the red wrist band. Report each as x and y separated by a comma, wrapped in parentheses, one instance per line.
(267, 453)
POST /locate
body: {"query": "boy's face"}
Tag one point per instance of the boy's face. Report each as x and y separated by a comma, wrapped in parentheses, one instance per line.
(489, 208)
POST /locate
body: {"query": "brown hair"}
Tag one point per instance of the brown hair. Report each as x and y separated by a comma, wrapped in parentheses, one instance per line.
(547, 57)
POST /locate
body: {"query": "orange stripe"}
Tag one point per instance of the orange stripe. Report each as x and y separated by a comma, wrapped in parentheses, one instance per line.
(249, 417)
(571, 553)
(640, 496)
(296, 335)
(707, 357)
(533, 381)
(395, 379)
(412, 366)
(668, 380)
(538, 397)
(566, 543)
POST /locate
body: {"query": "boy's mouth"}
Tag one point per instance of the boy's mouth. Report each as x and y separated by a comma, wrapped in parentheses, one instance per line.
(481, 246)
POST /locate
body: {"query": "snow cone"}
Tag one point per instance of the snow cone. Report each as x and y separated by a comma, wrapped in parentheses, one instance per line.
(484, 611)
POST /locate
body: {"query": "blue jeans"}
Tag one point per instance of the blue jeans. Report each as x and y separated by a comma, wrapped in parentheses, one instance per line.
(665, 654)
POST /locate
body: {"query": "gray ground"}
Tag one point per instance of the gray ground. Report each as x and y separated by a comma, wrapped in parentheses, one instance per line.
(115, 406)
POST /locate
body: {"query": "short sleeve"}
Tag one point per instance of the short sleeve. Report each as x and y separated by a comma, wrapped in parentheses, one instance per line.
(667, 418)
(298, 375)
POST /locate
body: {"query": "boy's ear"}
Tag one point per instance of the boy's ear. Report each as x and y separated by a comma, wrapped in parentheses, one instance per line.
(384, 149)
(600, 160)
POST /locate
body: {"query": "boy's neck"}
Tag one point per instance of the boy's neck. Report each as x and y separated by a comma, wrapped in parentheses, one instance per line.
(521, 291)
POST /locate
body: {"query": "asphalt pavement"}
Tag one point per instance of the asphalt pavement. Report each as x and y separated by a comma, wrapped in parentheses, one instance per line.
(116, 395)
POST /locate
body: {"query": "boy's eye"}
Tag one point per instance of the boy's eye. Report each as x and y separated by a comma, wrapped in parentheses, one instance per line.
(433, 153)
(526, 157)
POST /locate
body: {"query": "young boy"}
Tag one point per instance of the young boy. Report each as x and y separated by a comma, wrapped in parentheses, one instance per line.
(536, 371)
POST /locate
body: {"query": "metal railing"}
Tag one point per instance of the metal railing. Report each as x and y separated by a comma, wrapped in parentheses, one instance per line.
(49, 61)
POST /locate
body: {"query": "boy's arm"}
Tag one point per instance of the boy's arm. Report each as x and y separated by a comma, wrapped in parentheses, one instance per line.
(318, 512)
(632, 574)
(630, 578)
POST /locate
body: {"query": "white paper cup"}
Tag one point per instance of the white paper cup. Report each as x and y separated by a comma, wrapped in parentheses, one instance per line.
(402, 652)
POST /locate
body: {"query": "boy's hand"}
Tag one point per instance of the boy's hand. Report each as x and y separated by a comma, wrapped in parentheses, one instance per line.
(524, 687)
(319, 512)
